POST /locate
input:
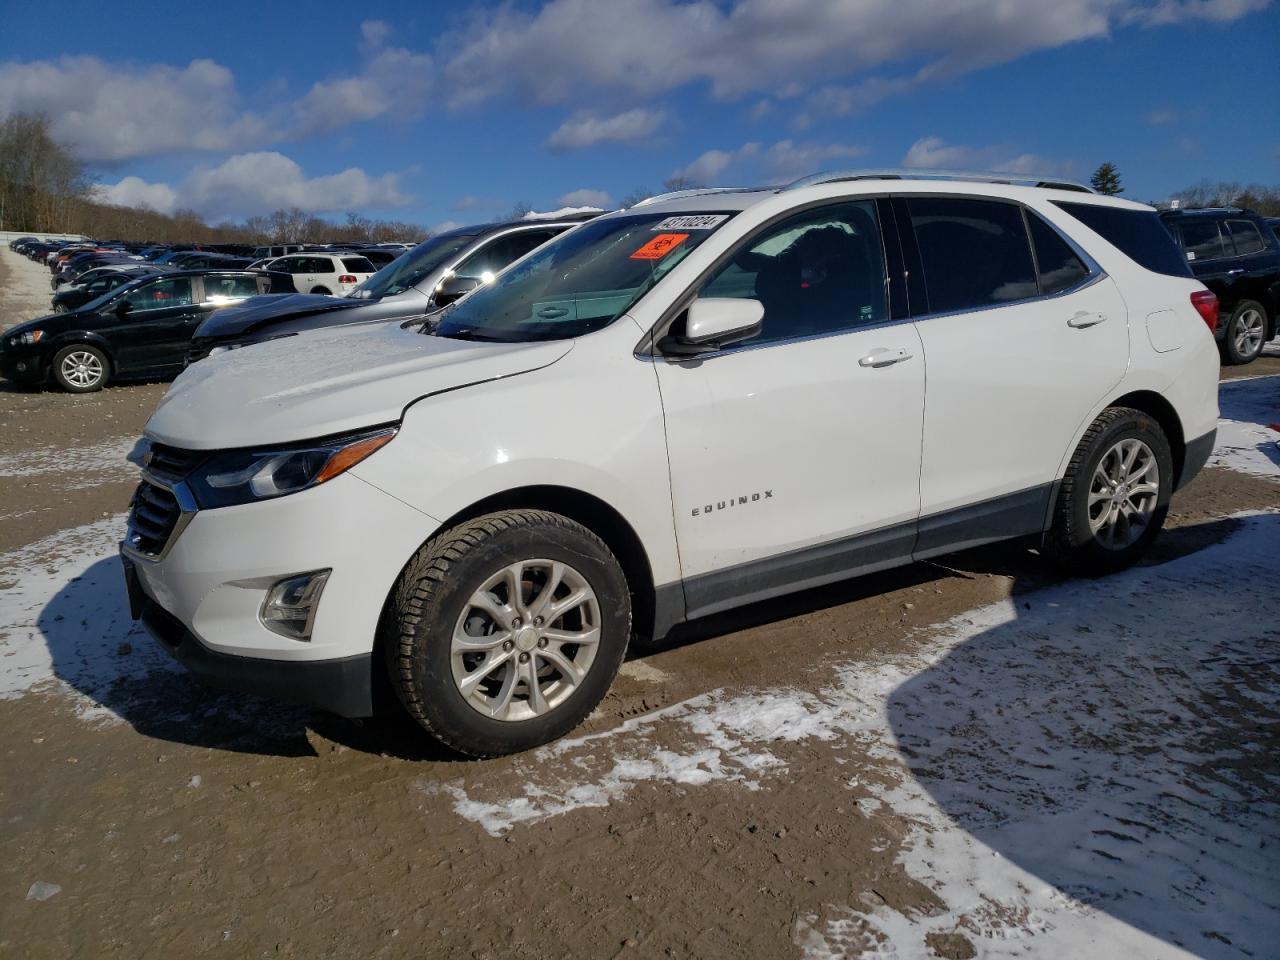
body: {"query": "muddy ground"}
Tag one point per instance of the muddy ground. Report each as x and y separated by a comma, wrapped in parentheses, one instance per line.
(955, 758)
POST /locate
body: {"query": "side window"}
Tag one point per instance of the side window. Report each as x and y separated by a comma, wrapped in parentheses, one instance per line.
(288, 265)
(1059, 267)
(821, 271)
(1246, 236)
(499, 254)
(974, 252)
(221, 289)
(175, 292)
(1202, 239)
(319, 265)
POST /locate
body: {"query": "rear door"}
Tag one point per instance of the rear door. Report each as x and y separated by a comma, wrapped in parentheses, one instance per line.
(154, 333)
(1021, 342)
(1210, 253)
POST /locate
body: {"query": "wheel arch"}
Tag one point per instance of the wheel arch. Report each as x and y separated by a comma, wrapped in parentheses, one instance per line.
(1163, 413)
(86, 338)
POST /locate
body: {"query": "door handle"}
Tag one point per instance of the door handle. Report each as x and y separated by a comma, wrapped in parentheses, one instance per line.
(1232, 273)
(883, 358)
(1082, 320)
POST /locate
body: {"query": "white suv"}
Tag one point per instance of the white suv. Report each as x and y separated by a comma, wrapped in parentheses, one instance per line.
(708, 399)
(325, 272)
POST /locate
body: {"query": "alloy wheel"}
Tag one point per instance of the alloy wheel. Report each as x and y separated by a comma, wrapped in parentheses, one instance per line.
(525, 640)
(81, 368)
(1123, 494)
(1250, 329)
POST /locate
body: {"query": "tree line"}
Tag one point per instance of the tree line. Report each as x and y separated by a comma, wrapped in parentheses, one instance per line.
(45, 188)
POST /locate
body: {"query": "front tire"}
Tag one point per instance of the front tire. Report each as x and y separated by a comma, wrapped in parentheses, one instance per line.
(81, 368)
(1115, 495)
(1246, 333)
(505, 632)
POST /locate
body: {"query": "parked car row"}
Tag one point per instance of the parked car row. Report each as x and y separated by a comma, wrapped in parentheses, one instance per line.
(711, 398)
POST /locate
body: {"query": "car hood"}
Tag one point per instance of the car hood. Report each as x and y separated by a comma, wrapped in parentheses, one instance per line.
(269, 308)
(327, 382)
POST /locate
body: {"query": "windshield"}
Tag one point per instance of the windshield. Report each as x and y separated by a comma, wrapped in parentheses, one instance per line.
(580, 282)
(113, 293)
(413, 267)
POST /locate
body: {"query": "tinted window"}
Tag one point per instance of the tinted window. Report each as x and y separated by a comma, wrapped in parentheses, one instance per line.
(1202, 240)
(974, 252)
(1246, 236)
(414, 267)
(218, 289)
(1059, 267)
(1138, 234)
(358, 264)
(318, 265)
(162, 293)
(495, 256)
(819, 272)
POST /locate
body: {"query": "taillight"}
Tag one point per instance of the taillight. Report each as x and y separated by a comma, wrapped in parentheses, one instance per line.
(346, 278)
(1206, 304)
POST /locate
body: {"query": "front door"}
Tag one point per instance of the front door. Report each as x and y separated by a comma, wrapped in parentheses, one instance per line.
(795, 455)
(154, 333)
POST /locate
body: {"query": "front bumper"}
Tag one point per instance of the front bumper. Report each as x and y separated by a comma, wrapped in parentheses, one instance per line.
(343, 686)
(24, 364)
(202, 597)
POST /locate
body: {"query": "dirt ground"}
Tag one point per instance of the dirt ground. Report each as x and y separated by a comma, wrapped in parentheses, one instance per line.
(960, 758)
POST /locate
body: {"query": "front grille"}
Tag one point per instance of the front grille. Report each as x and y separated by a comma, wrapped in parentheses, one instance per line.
(171, 464)
(153, 516)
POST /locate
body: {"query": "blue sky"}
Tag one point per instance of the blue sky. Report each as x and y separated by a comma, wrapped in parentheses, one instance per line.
(454, 112)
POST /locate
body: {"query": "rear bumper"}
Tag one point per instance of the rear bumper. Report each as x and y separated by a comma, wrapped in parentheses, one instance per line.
(1196, 456)
(343, 686)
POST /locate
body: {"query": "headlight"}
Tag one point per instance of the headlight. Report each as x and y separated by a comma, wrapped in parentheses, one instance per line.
(27, 339)
(243, 476)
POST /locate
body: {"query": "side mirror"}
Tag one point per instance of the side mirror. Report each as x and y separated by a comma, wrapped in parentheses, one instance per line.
(454, 288)
(713, 323)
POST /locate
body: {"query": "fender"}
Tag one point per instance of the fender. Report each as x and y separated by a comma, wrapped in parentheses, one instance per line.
(69, 337)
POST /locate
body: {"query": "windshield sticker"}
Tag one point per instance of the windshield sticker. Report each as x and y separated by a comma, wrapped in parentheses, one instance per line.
(705, 221)
(660, 246)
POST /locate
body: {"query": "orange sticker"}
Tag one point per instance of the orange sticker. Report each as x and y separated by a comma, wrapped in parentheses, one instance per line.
(660, 246)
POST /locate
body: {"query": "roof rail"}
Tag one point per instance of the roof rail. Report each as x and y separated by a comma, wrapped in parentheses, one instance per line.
(1021, 179)
(696, 192)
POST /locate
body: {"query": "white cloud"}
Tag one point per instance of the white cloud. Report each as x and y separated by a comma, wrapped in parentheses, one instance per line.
(586, 198)
(784, 160)
(1160, 116)
(116, 111)
(935, 153)
(254, 183)
(1165, 12)
(585, 129)
(136, 192)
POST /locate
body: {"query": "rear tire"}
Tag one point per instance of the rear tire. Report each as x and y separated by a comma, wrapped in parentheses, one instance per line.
(1114, 496)
(480, 618)
(81, 368)
(1245, 334)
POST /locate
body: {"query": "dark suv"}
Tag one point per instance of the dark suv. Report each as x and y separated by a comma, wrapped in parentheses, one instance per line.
(431, 275)
(1235, 254)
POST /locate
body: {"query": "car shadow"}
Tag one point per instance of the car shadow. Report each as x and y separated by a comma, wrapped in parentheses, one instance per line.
(1118, 739)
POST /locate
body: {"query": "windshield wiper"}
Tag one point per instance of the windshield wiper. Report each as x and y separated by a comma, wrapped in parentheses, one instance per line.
(468, 333)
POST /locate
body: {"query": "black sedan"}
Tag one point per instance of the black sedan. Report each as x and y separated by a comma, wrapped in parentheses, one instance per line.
(140, 330)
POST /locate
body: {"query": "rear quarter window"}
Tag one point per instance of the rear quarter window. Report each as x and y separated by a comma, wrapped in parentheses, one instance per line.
(359, 265)
(1138, 234)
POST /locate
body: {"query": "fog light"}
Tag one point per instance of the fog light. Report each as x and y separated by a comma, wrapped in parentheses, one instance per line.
(290, 606)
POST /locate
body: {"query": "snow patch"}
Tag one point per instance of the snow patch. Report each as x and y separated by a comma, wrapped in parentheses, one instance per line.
(85, 466)
(1248, 438)
(1081, 765)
